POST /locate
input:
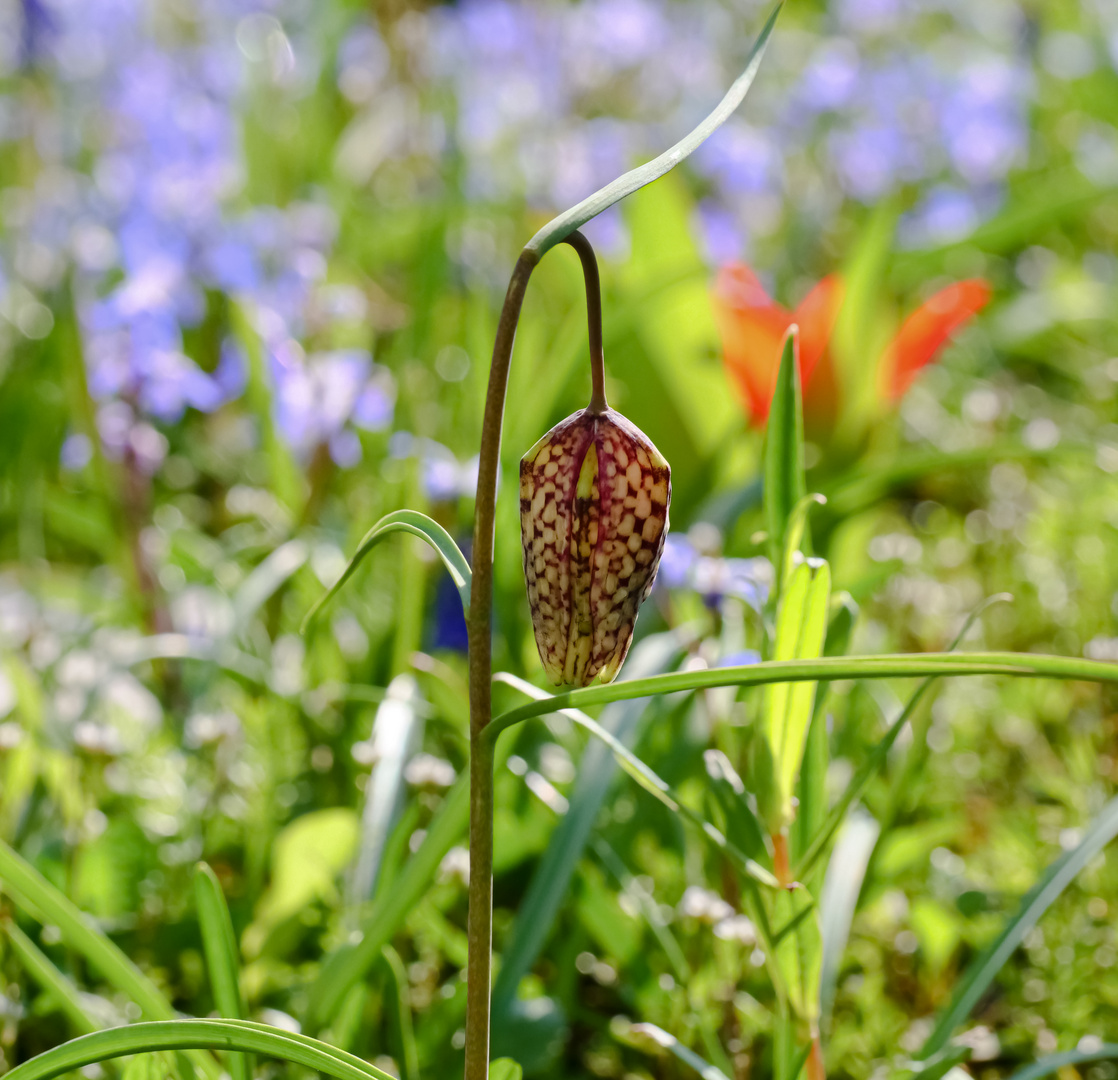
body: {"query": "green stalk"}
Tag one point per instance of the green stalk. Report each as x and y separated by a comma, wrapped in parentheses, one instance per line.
(829, 668)
(478, 620)
(235, 1035)
(479, 923)
(479, 927)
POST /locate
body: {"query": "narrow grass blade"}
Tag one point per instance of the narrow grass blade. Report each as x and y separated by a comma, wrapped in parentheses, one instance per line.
(869, 485)
(637, 769)
(409, 521)
(399, 1012)
(946, 1065)
(551, 881)
(1048, 1066)
(839, 900)
(887, 666)
(989, 962)
(38, 965)
(654, 784)
(880, 752)
(220, 946)
(397, 734)
(802, 696)
(286, 479)
(799, 954)
(566, 223)
(237, 1035)
(349, 963)
(29, 889)
(265, 580)
(739, 809)
(669, 1042)
(785, 485)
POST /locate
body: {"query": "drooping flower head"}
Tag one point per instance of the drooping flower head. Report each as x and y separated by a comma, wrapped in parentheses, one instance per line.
(594, 495)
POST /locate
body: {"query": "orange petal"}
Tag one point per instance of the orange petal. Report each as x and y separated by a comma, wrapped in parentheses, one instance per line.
(926, 331)
(752, 327)
(816, 315)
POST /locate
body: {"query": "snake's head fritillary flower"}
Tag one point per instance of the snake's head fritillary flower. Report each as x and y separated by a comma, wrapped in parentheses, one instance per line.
(594, 495)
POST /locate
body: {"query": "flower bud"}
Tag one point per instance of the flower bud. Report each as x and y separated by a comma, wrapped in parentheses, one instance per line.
(594, 496)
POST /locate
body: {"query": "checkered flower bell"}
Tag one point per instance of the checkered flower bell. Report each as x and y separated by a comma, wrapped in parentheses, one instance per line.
(594, 496)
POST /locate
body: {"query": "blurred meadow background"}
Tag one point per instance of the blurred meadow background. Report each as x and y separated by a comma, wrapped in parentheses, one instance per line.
(251, 260)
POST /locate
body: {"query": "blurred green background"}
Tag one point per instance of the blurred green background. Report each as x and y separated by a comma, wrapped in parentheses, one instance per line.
(251, 260)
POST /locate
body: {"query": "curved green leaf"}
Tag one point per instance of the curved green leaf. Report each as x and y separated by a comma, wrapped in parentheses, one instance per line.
(989, 962)
(409, 521)
(646, 777)
(348, 963)
(869, 485)
(234, 1035)
(40, 968)
(505, 1069)
(666, 1041)
(561, 227)
(220, 947)
(399, 1012)
(1046, 1066)
(551, 880)
(31, 891)
(28, 888)
(880, 752)
(888, 666)
(785, 486)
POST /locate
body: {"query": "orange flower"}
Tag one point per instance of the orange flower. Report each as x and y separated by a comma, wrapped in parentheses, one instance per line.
(753, 325)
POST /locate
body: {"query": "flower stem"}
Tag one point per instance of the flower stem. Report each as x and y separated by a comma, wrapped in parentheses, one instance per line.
(593, 319)
(479, 928)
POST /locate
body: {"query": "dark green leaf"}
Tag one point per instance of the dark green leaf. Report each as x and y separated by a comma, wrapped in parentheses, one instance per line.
(1047, 1066)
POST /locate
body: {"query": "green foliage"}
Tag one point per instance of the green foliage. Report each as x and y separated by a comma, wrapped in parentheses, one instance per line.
(813, 692)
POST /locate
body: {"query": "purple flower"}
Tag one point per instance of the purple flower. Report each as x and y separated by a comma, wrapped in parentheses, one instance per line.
(318, 396)
(77, 452)
(722, 235)
(742, 160)
(867, 160)
(676, 563)
(947, 214)
(831, 78)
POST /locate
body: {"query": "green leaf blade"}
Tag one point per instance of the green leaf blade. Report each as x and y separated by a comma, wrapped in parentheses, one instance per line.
(38, 965)
(1036, 902)
(408, 521)
(829, 668)
(220, 946)
(577, 216)
(1047, 1066)
(785, 484)
(236, 1035)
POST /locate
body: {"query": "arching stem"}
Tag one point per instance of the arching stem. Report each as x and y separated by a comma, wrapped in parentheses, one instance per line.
(479, 927)
(593, 319)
